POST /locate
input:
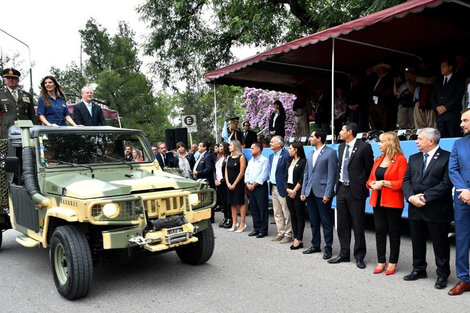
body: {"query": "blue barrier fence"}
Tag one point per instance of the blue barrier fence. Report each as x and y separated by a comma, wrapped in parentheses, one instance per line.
(408, 147)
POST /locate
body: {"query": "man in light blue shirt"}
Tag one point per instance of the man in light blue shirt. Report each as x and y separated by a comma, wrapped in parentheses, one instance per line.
(256, 175)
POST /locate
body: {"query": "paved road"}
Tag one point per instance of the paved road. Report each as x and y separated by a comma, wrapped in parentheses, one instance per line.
(245, 274)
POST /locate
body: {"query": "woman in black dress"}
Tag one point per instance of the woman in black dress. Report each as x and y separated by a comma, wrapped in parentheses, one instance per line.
(293, 180)
(234, 177)
(277, 121)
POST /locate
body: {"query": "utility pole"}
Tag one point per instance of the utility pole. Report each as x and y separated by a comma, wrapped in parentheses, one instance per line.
(31, 91)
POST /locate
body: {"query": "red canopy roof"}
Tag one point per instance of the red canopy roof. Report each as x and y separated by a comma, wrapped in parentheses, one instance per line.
(398, 35)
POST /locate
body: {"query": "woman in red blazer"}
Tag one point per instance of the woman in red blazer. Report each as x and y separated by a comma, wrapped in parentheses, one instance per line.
(385, 181)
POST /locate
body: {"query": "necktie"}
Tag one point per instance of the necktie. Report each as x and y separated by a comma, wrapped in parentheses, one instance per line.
(445, 80)
(425, 162)
(345, 165)
(90, 109)
(15, 95)
(164, 160)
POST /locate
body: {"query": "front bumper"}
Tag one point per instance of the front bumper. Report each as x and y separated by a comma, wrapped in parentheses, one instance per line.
(157, 240)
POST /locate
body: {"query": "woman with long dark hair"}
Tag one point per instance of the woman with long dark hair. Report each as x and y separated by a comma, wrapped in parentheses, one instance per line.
(221, 185)
(52, 105)
(277, 121)
(185, 159)
(293, 179)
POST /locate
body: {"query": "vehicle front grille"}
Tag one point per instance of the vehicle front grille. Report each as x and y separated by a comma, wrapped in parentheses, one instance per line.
(166, 206)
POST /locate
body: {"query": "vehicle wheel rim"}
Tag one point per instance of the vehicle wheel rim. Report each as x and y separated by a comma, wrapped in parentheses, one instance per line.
(60, 263)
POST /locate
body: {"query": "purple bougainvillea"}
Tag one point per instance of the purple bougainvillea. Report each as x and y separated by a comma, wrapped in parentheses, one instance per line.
(258, 106)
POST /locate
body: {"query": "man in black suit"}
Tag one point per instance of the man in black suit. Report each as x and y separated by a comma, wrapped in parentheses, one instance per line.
(428, 190)
(446, 100)
(355, 163)
(86, 112)
(248, 136)
(164, 158)
(205, 168)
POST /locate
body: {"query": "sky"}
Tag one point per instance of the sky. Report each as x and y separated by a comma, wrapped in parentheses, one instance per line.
(50, 29)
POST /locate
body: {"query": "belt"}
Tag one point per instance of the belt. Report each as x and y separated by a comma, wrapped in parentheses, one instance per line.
(272, 184)
(345, 183)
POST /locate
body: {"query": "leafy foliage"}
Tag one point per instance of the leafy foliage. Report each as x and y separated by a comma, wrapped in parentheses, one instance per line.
(193, 36)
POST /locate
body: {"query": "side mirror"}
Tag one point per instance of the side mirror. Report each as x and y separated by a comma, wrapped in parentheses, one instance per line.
(12, 164)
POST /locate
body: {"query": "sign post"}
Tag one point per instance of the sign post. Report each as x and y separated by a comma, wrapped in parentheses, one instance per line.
(189, 121)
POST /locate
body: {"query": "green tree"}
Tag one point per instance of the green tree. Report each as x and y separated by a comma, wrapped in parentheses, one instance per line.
(190, 37)
(114, 66)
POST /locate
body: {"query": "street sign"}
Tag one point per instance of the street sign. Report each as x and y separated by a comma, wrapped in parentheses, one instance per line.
(189, 121)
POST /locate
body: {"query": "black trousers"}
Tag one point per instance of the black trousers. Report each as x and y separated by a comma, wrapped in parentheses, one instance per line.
(222, 200)
(350, 214)
(449, 128)
(387, 221)
(439, 236)
(258, 199)
(297, 213)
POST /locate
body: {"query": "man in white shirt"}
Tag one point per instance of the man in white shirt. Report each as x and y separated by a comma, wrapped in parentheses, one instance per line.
(256, 175)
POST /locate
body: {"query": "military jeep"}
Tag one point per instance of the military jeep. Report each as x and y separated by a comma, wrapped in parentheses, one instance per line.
(72, 190)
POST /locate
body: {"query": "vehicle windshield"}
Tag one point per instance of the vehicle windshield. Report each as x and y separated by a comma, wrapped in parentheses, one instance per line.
(73, 149)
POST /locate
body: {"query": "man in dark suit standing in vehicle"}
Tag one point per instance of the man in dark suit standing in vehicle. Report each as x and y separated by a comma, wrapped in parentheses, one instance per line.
(355, 163)
(86, 112)
(428, 190)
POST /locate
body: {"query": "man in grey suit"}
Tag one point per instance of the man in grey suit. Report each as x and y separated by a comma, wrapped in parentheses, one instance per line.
(317, 190)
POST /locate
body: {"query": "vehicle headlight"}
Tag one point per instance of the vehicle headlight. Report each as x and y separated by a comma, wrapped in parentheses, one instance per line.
(111, 210)
(194, 199)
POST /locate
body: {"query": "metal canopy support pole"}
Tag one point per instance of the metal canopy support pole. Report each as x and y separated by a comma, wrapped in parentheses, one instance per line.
(332, 89)
(215, 114)
(333, 106)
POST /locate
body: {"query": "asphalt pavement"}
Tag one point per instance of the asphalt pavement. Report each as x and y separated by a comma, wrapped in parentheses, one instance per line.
(245, 274)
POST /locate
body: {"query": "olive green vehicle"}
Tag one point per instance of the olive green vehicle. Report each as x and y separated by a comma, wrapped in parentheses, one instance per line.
(72, 190)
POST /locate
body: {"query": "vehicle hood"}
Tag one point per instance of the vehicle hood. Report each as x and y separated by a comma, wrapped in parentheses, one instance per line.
(85, 187)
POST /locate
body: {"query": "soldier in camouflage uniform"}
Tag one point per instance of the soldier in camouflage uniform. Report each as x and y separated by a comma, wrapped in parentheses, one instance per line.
(15, 104)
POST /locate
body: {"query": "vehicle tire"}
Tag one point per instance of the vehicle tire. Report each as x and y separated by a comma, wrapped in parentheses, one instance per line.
(71, 262)
(200, 251)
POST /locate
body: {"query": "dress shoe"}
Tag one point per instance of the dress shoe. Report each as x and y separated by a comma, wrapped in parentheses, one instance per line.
(277, 238)
(253, 233)
(327, 255)
(338, 259)
(221, 225)
(241, 230)
(299, 246)
(287, 239)
(311, 250)
(260, 235)
(441, 282)
(233, 228)
(228, 223)
(415, 276)
(378, 269)
(361, 264)
(460, 288)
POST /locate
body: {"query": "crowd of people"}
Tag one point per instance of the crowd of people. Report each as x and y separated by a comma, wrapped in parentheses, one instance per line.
(386, 99)
(299, 183)
(296, 181)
